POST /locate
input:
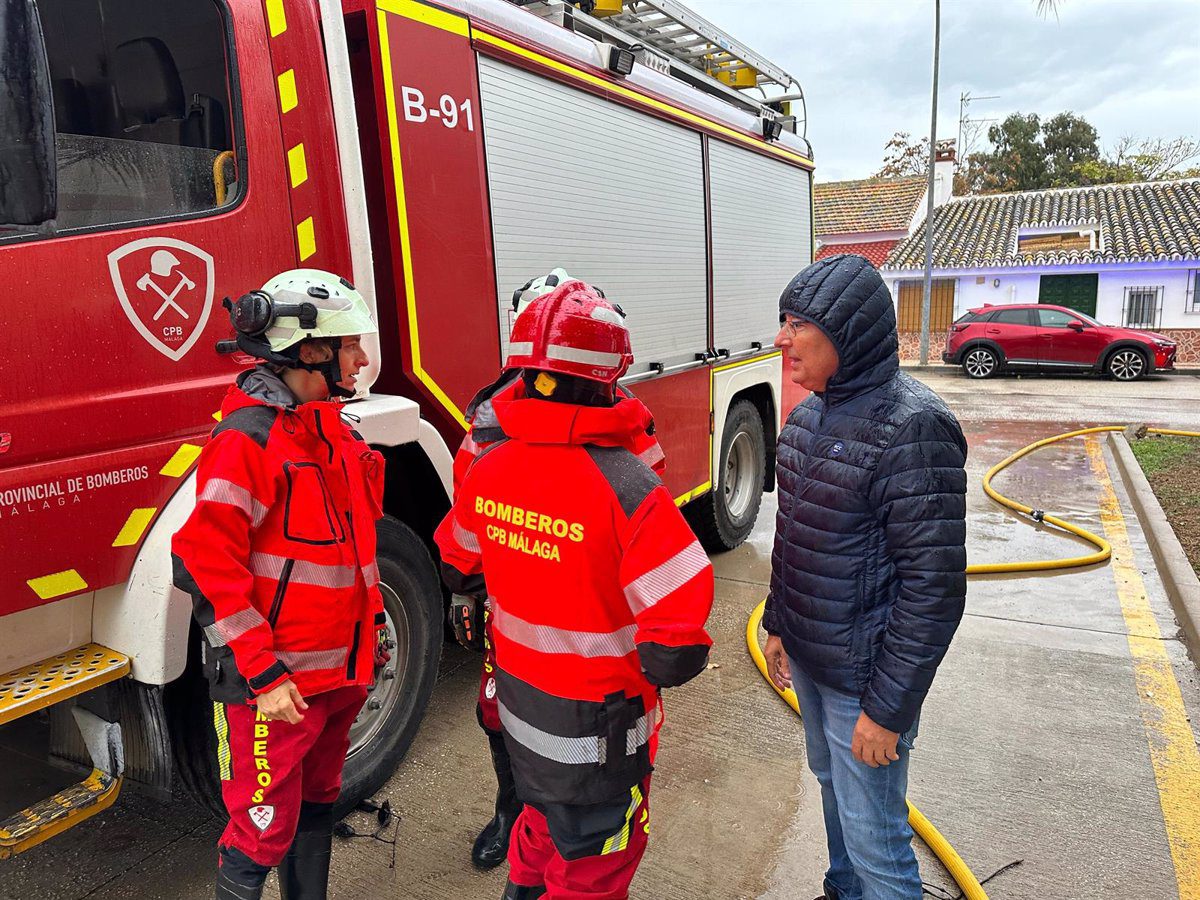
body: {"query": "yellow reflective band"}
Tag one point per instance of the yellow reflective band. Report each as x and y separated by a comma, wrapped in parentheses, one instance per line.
(306, 241)
(224, 755)
(50, 586)
(135, 526)
(427, 15)
(746, 362)
(287, 91)
(620, 840)
(298, 165)
(181, 461)
(276, 18)
(218, 415)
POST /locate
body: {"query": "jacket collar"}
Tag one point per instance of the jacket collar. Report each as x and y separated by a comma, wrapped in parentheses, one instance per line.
(262, 386)
(547, 422)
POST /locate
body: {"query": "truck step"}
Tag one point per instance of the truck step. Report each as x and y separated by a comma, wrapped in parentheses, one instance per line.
(56, 814)
(53, 680)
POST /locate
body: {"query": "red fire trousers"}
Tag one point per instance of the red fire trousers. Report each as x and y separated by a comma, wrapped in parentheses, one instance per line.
(534, 858)
(269, 767)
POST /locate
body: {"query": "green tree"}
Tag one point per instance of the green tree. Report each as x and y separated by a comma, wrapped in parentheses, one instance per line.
(902, 155)
(1070, 142)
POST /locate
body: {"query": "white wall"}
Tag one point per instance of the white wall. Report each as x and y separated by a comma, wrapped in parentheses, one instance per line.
(1022, 285)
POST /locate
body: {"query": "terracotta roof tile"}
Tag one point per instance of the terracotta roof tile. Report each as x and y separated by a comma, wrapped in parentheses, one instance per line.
(872, 204)
(875, 251)
(1138, 223)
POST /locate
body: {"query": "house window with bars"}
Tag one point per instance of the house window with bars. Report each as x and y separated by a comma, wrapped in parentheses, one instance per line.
(1143, 307)
(1191, 303)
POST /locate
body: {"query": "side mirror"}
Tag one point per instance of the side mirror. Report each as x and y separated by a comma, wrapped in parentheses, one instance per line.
(1075, 325)
(28, 163)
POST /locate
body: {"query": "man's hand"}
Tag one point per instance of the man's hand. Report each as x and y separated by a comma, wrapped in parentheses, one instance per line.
(873, 744)
(778, 669)
(283, 703)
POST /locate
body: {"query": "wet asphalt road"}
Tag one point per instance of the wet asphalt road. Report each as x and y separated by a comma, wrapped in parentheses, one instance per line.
(1033, 743)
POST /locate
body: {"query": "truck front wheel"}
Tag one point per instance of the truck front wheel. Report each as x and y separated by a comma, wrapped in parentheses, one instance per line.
(395, 703)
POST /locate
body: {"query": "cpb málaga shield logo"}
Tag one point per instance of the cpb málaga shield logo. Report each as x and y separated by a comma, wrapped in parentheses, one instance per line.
(165, 286)
(262, 816)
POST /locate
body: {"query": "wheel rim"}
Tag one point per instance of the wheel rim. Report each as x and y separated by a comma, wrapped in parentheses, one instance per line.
(980, 363)
(388, 688)
(740, 466)
(1126, 365)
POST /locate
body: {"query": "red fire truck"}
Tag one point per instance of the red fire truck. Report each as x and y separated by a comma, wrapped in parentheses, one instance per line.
(159, 155)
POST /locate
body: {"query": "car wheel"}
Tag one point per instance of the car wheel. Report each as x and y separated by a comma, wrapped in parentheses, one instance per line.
(980, 362)
(1126, 364)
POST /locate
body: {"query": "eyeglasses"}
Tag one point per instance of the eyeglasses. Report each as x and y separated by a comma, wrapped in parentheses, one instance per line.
(792, 327)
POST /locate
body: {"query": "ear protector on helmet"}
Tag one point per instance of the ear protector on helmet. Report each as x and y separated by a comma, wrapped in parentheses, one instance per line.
(253, 313)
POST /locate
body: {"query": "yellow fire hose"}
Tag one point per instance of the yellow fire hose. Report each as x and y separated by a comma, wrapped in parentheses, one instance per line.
(959, 871)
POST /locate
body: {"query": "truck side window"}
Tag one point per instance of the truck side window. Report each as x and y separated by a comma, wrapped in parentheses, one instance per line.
(143, 110)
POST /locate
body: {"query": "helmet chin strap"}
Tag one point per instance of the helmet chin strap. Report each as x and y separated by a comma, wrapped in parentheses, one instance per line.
(331, 371)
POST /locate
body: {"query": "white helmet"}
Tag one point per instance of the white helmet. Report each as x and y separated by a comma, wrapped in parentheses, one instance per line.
(296, 306)
(540, 287)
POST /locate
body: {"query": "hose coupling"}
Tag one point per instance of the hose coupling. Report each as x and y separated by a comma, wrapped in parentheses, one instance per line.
(1038, 515)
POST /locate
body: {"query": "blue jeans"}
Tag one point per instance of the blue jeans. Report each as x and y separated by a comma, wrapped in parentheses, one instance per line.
(866, 816)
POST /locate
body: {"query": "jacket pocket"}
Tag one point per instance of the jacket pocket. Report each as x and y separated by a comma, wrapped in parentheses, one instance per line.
(285, 577)
(309, 515)
(372, 465)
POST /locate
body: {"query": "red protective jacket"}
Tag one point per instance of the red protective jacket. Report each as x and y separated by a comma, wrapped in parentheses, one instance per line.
(279, 554)
(599, 592)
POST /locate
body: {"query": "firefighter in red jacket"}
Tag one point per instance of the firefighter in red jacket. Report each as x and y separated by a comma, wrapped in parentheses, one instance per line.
(467, 614)
(279, 559)
(599, 593)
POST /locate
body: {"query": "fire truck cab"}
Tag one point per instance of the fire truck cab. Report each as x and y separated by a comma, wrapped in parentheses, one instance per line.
(157, 156)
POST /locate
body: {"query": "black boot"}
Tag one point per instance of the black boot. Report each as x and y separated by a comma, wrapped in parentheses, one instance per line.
(491, 847)
(521, 892)
(239, 877)
(304, 872)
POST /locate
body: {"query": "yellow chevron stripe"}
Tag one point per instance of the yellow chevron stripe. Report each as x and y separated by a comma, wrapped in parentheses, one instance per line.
(50, 586)
(181, 461)
(135, 526)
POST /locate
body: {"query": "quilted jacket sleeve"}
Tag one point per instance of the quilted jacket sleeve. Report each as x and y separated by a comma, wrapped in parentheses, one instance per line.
(919, 490)
(770, 621)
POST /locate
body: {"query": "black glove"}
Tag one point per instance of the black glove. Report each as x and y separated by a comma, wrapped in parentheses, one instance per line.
(466, 618)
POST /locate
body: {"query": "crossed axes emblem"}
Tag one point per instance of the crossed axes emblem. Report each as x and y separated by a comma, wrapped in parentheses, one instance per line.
(162, 264)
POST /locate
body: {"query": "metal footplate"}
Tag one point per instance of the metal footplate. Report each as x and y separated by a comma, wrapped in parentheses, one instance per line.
(44, 684)
(53, 680)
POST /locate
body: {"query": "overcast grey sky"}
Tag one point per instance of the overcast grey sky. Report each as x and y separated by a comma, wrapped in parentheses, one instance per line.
(1127, 66)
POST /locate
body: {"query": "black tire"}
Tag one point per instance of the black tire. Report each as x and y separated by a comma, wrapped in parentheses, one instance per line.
(1126, 364)
(411, 589)
(412, 594)
(724, 516)
(980, 362)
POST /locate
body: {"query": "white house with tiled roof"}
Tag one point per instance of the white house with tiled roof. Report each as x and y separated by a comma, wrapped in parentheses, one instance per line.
(1127, 254)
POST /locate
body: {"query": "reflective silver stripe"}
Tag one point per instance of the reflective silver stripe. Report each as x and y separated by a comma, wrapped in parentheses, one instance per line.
(548, 639)
(232, 627)
(520, 348)
(570, 750)
(221, 490)
(267, 565)
(371, 573)
(670, 576)
(313, 660)
(468, 540)
(581, 356)
(652, 455)
(469, 445)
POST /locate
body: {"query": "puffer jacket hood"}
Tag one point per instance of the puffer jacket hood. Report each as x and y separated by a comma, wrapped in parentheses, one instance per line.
(845, 297)
(266, 386)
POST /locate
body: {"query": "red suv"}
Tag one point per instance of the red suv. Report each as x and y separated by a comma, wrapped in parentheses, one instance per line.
(987, 340)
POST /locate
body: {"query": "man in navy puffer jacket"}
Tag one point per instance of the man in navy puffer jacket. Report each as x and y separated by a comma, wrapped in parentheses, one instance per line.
(867, 574)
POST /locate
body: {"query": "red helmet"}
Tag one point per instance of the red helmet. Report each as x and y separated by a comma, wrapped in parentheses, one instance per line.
(572, 331)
